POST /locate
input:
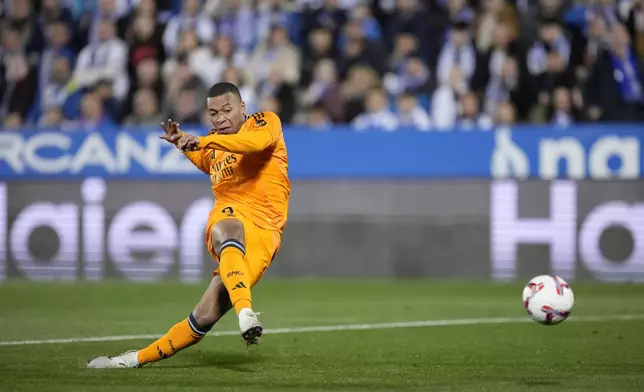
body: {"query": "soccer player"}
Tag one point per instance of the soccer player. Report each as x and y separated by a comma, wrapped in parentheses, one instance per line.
(246, 159)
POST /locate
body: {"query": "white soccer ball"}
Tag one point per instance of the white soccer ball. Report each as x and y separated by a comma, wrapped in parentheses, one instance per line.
(548, 299)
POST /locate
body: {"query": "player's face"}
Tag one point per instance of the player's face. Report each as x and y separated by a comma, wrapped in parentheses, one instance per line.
(226, 113)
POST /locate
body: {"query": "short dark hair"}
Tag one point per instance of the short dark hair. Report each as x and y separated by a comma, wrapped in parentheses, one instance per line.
(407, 94)
(546, 21)
(108, 20)
(11, 27)
(318, 107)
(222, 88)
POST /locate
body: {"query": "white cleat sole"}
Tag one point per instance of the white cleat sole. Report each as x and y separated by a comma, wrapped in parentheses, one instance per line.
(251, 328)
(251, 336)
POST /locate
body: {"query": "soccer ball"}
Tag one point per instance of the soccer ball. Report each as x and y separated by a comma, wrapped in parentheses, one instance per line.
(548, 299)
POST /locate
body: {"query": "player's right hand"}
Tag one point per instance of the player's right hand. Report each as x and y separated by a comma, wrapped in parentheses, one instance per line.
(171, 130)
(188, 143)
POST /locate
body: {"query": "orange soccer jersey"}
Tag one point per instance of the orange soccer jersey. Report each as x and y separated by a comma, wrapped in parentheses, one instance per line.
(249, 170)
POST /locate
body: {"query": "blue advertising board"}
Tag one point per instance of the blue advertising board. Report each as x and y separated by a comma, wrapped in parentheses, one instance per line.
(593, 151)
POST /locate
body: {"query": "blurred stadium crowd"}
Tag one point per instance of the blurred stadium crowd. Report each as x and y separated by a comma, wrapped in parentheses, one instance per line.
(435, 64)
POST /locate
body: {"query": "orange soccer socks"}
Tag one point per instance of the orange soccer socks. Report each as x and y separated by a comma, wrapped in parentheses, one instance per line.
(234, 273)
(184, 334)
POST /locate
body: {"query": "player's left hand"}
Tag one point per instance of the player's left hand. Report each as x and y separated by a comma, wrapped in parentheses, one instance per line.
(188, 142)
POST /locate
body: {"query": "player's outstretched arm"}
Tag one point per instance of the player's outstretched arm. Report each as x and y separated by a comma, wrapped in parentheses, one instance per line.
(263, 134)
(173, 134)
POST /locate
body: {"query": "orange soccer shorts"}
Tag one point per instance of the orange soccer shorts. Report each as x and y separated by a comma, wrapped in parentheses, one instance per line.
(261, 244)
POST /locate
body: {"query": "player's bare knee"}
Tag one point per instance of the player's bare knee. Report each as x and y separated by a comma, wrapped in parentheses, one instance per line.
(227, 232)
(229, 229)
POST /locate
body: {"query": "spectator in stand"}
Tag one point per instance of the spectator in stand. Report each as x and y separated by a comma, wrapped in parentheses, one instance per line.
(317, 118)
(276, 52)
(330, 53)
(278, 88)
(329, 16)
(143, 8)
(505, 114)
(103, 89)
(205, 120)
(635, 23)
(23, 18)
(276, 12)
(18, 87)
(459, 10)
(209, 62)
(147, 76)
(326, 91)
(550, 9)
(106, 60)
(411, 114)
(146, 109)
(236, 20)
(548, 60)
(58, 37)
(362, 15)
(56, 92)
(188, 43)
(269, 104)
(143, 38)
(410, 17)
(598, 40)
(320, 47)
(54, 11)
(457, 52)
(111, 10)
(503, 75)
(440, 17)
(182, 78)
(615, 88)
(233, 75)
(187, 109)
(405, 47)
(495, 12)
(11, 43)
(412, 78)
(357, 49)
(52, 117)
(377, 114)
(469, 115)
(93, 114)
(606, 10)
(445, 100)
(534, 12)
(190, 18)
(12, 121)
(360, 80)
(563, 113)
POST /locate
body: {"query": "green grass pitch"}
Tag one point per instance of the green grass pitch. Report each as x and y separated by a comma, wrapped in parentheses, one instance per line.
(573, 356)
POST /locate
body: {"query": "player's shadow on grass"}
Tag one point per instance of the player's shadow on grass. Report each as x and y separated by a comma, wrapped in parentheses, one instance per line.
(237, 362)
